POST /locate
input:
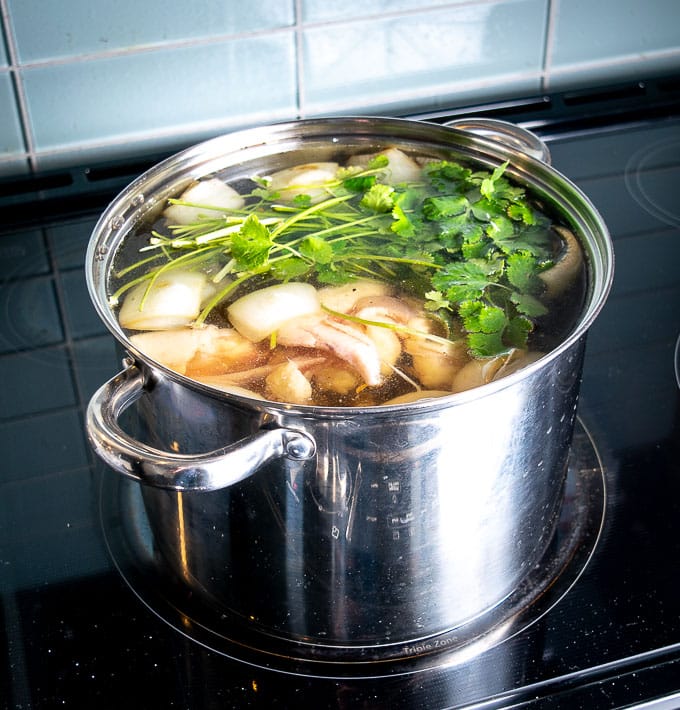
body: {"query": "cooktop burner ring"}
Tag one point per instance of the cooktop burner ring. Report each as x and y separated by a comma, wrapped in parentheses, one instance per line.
(130, 544)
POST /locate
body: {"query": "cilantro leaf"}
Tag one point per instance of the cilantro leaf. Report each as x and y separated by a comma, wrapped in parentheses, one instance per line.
(478, 317)
(522, 272)
(378, 198)
(436, 208)
(464, 280)
(517, 332)
(501, 231)
(250, 246)
(521, 212)
(290, 268)
(402, 225)
(316, 250)
(486, 344)
(528, 305)
(443, 174)
(436, 300)
(488, 185)
(302, 200)
(359, 183)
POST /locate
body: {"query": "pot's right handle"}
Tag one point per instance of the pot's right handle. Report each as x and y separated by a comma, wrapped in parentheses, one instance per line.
(182, 472)
(509, 134)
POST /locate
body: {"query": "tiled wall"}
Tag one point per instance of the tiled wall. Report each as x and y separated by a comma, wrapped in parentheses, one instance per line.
(82, 81)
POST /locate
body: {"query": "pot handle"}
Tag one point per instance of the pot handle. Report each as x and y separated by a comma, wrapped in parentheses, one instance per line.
(181, 472)
(509, 134)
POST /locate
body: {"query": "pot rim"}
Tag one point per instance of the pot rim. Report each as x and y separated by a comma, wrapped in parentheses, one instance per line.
(152, 188)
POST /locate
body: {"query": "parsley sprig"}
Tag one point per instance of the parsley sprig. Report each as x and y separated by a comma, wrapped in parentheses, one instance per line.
(468, 241)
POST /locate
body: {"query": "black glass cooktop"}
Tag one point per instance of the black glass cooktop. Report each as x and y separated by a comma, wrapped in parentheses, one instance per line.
(80, 627)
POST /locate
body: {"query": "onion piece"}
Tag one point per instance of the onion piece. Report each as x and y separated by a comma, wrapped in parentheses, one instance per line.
(212, 193)
(259, 313)
(307, 179)
(173, 300)
(400, 167)
(343, 298)
(198, 351)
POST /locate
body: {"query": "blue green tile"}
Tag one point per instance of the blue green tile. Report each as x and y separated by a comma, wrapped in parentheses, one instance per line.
(3, 48)
(11, 140)
(444, 56)
(143, 97)
(74, 27)
(588, 30)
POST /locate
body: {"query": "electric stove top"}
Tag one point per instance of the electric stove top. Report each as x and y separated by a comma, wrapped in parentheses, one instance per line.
(82, 625)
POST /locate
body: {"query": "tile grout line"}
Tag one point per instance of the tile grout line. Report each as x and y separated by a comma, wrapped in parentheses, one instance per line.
(18, 84)
(299, 60)
(549, 43)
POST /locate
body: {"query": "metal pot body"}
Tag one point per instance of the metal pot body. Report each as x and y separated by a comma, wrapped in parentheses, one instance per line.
(354, 527)
(403, 526)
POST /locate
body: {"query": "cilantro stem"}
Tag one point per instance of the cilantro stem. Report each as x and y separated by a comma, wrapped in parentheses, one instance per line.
(325, 204)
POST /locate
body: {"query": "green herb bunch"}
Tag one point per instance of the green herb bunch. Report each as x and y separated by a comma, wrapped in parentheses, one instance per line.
(467, 241)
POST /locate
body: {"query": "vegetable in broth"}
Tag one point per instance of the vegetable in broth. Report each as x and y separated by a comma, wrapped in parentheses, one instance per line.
(387, 278)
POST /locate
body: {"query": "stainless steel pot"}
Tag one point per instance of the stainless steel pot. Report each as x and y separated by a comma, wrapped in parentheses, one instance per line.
(353, 528)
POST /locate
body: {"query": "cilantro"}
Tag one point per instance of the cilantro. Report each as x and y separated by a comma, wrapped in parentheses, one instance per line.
(378, 198)
(359, 183)
(402, 224)
(250, 246)
(316, 250)
(488, 184)
(436, 208)
(486, 344)
(292, 268)
(517, 332)
(522, 272)
(302, 200)
(465, 280)
(528, 305)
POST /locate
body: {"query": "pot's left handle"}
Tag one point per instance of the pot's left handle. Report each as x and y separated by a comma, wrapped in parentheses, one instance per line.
(183, 472)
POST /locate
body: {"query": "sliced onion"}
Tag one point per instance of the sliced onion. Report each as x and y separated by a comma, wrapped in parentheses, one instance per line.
(305, 179)
(400, 167)
(258, 314)
(343, 298)
(211, 193)
(173, 300)
(172, 348)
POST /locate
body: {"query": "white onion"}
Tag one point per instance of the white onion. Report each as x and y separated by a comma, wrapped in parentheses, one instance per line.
(258, 314)
(344, 297)
(212, 193)
(400, 167)
(291, 182)
(174, 300)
